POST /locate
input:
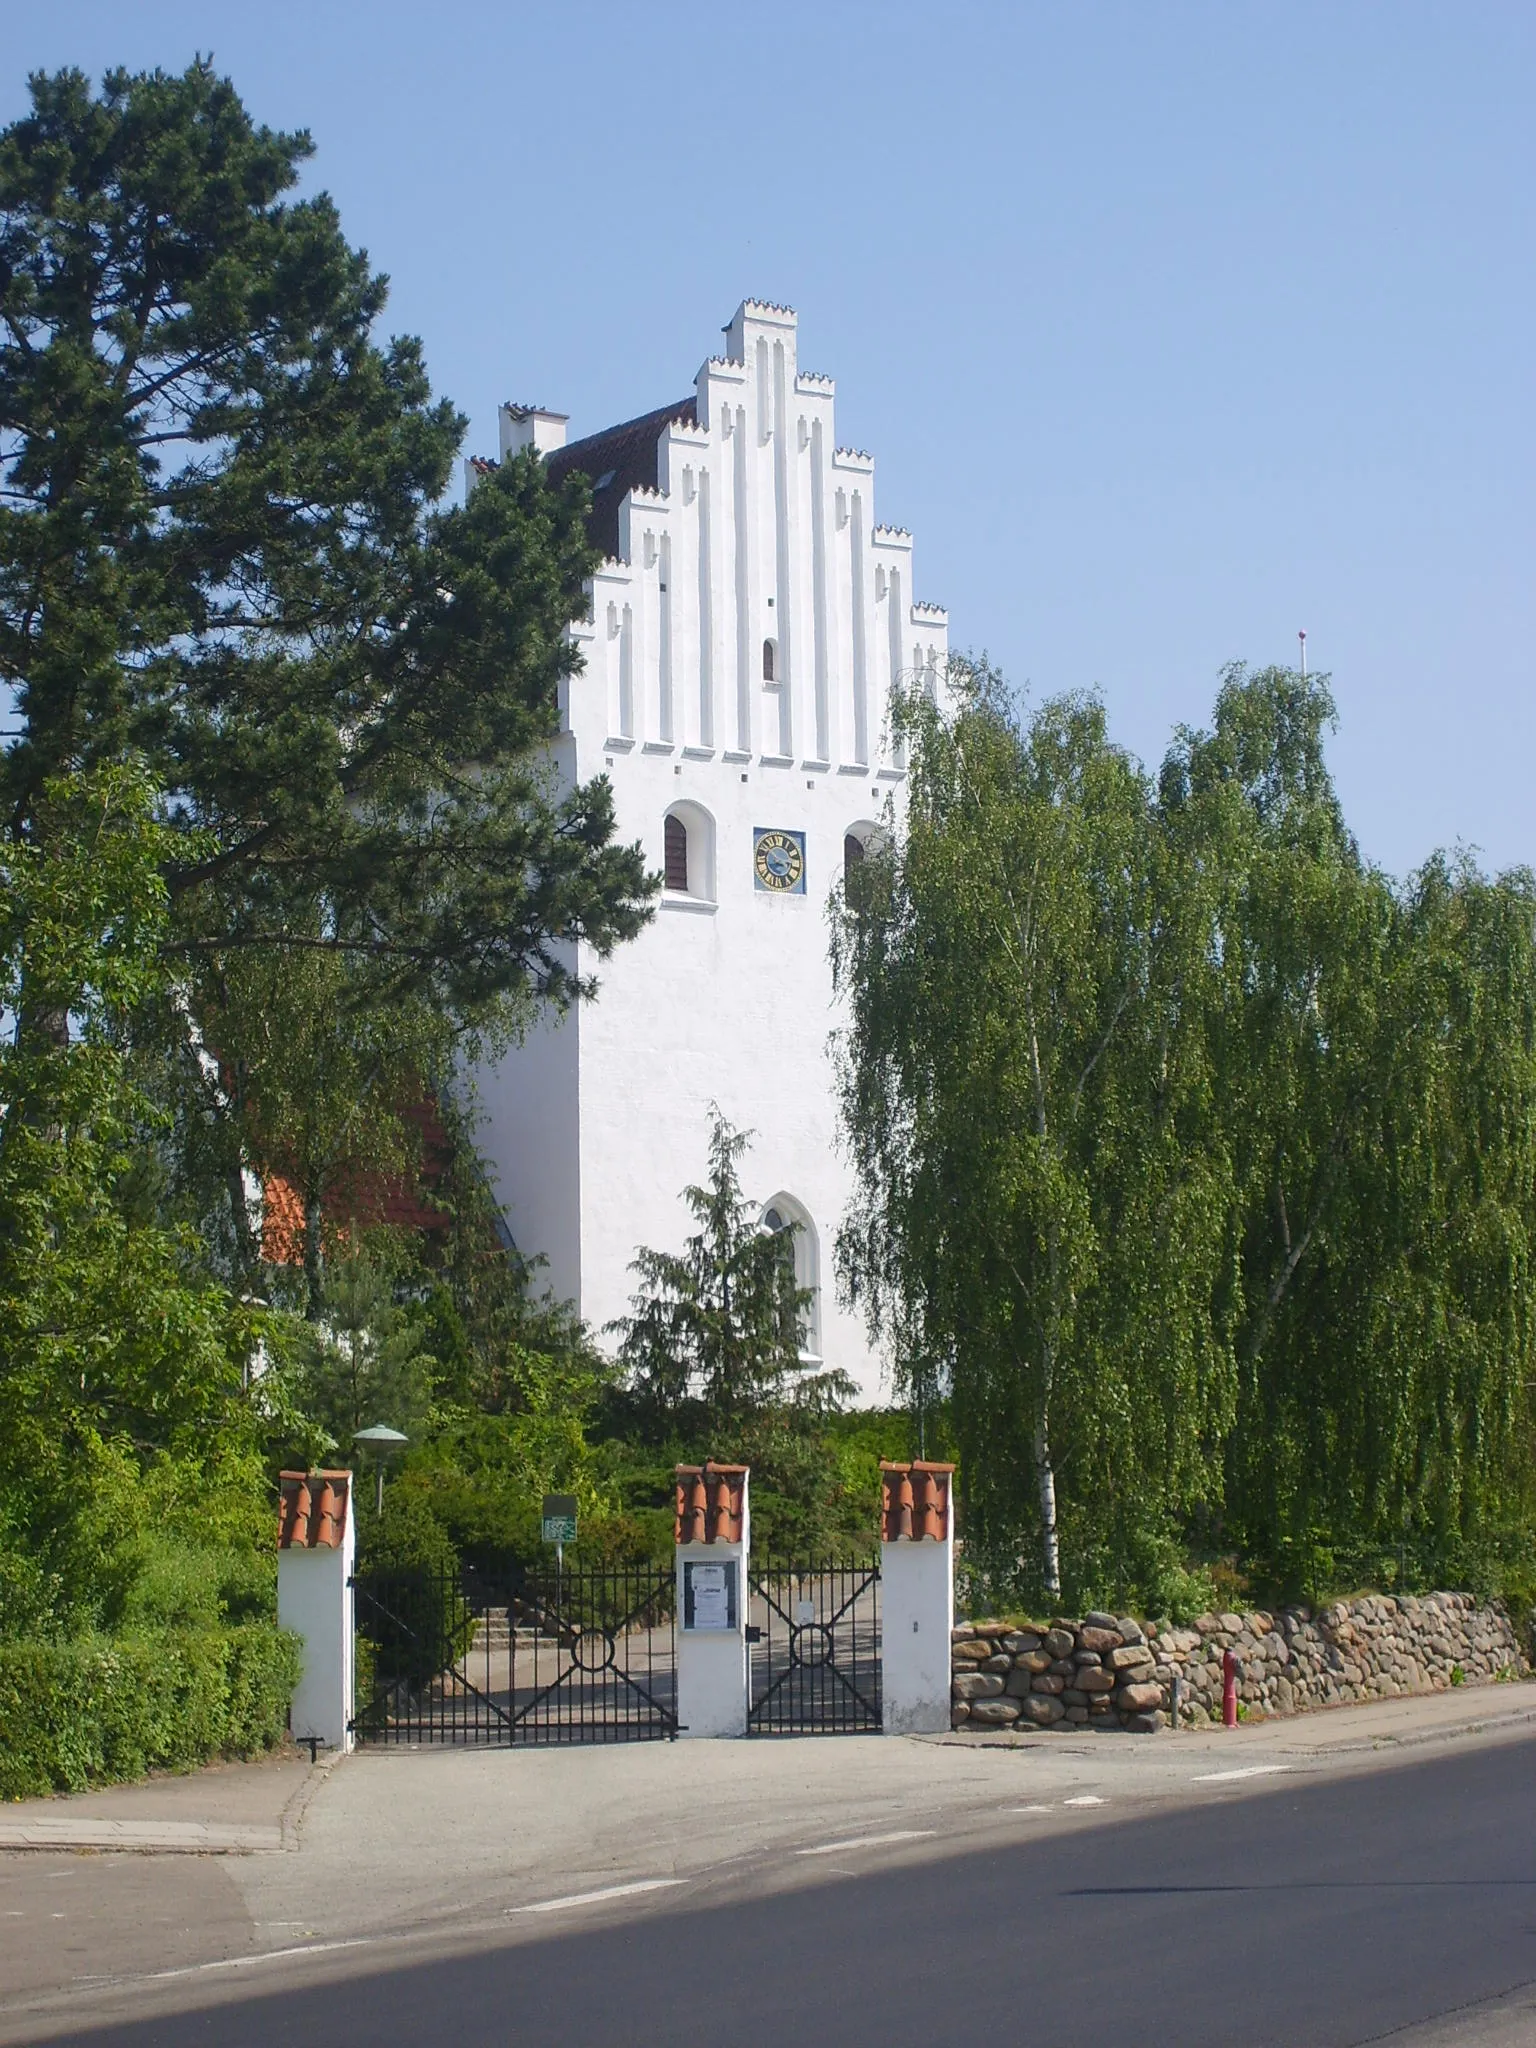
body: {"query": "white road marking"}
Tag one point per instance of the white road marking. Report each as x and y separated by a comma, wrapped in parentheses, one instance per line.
(1249, 1771)
(266, 1955)
(868, 1841)
(1029, 1809)
(1085, 1799)
(611, 1891)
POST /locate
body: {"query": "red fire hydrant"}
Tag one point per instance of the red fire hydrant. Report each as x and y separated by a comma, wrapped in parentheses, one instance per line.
(1231, 1672)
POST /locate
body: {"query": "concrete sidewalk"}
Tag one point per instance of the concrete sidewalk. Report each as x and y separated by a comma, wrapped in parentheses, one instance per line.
(224, 1809)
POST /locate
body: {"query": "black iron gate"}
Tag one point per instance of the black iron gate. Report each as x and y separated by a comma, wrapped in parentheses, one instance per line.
(814, 1631)
(507, 1654)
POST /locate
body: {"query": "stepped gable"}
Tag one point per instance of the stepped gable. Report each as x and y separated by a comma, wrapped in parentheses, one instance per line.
(617, 461)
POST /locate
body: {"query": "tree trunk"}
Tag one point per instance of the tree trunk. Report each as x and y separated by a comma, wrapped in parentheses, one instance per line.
(247, 1242)
(1050, 1546)
(314, 1258)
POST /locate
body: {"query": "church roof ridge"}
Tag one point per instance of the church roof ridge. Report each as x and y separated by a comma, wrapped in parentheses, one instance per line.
(617, 460)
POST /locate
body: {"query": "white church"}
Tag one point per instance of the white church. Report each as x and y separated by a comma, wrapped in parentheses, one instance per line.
(745, 632)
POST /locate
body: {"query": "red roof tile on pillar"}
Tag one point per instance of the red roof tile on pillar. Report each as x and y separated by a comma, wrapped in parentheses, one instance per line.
(914, 1501)
(312, 1510)
(711, 1503)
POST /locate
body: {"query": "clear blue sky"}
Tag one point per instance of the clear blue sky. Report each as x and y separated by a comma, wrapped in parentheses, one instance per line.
(1173, 328)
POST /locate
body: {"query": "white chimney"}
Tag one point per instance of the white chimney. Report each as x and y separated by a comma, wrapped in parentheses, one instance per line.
(529, 426)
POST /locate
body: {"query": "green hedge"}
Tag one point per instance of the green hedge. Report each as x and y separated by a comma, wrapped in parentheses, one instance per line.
(105, 1708)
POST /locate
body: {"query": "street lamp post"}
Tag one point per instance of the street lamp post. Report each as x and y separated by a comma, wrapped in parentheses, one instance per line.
(385, 1441)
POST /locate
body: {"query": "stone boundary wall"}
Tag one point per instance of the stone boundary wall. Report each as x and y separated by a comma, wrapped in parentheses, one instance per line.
(1104, 1672)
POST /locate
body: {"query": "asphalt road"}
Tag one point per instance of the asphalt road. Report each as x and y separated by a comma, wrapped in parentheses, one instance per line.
(1309, 1916)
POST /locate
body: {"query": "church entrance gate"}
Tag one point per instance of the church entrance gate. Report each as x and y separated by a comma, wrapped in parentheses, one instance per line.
(813, 1636)
(500, 1653)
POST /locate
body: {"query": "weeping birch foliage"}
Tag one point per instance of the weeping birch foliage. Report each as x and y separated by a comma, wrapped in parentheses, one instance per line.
(1017, 1080)
(1195, 1155)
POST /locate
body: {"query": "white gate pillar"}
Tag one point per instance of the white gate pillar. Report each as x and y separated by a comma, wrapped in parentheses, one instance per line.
(917, 1590)
(713, 1531)
(315, 1546)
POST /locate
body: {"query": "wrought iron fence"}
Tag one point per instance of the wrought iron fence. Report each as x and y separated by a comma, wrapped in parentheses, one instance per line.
(497, 1654)
(595, 1655)
(814, 1634)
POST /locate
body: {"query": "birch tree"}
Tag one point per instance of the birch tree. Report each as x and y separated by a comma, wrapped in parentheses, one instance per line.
(1015, 1081)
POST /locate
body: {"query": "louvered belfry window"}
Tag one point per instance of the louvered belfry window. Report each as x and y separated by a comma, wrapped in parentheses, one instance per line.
(675, 866)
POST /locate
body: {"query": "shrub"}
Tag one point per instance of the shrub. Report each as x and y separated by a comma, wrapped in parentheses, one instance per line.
(105, 1708)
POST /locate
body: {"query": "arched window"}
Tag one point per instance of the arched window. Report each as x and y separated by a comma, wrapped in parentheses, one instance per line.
(785, 1213)
(688, 854)
(853, 850)
(770, 661)
(675, 865)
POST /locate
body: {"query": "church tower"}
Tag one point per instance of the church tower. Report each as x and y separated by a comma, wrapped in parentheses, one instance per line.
(745, 632)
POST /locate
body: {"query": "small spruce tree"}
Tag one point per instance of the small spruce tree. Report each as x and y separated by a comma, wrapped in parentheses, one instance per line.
(721, 1324)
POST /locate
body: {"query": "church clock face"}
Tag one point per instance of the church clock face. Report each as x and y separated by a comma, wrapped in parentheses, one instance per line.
(778, 862)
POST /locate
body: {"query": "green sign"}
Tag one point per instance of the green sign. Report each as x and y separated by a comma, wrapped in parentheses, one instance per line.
(559, 1519)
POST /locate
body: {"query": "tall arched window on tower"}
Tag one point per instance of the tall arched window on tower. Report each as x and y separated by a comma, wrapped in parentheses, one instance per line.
(675, 866)
(860, 841)
(770, 661)
(688, 857)
(785, 1213)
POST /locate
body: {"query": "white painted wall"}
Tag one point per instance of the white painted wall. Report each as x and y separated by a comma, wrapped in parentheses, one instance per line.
(712, 1671)
(762, 528)
(917, 1593)
(314, 1599)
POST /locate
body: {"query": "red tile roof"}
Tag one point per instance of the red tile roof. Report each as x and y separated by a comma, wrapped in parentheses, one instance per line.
(368, 1199)
(312, 1510)
(618, 461)
(711, 1503)
(914, 1501)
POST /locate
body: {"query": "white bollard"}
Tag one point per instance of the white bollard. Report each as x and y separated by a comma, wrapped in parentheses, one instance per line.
(714, 1533)
(917, 1596)
(315, 1546)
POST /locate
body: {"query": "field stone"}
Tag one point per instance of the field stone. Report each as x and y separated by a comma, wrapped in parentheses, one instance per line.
(1143, 1724)
(1034, 1660)
(994, 1713)
(1094, 1637)
(1133, 1655)
(971, 1651)
(1139, 1699)
(1047, 1682)
(1059, 1641)
(1021, 1643)
(1044, 1712)
(1095, 1679)
(977, 1685)
(1098, 1620)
